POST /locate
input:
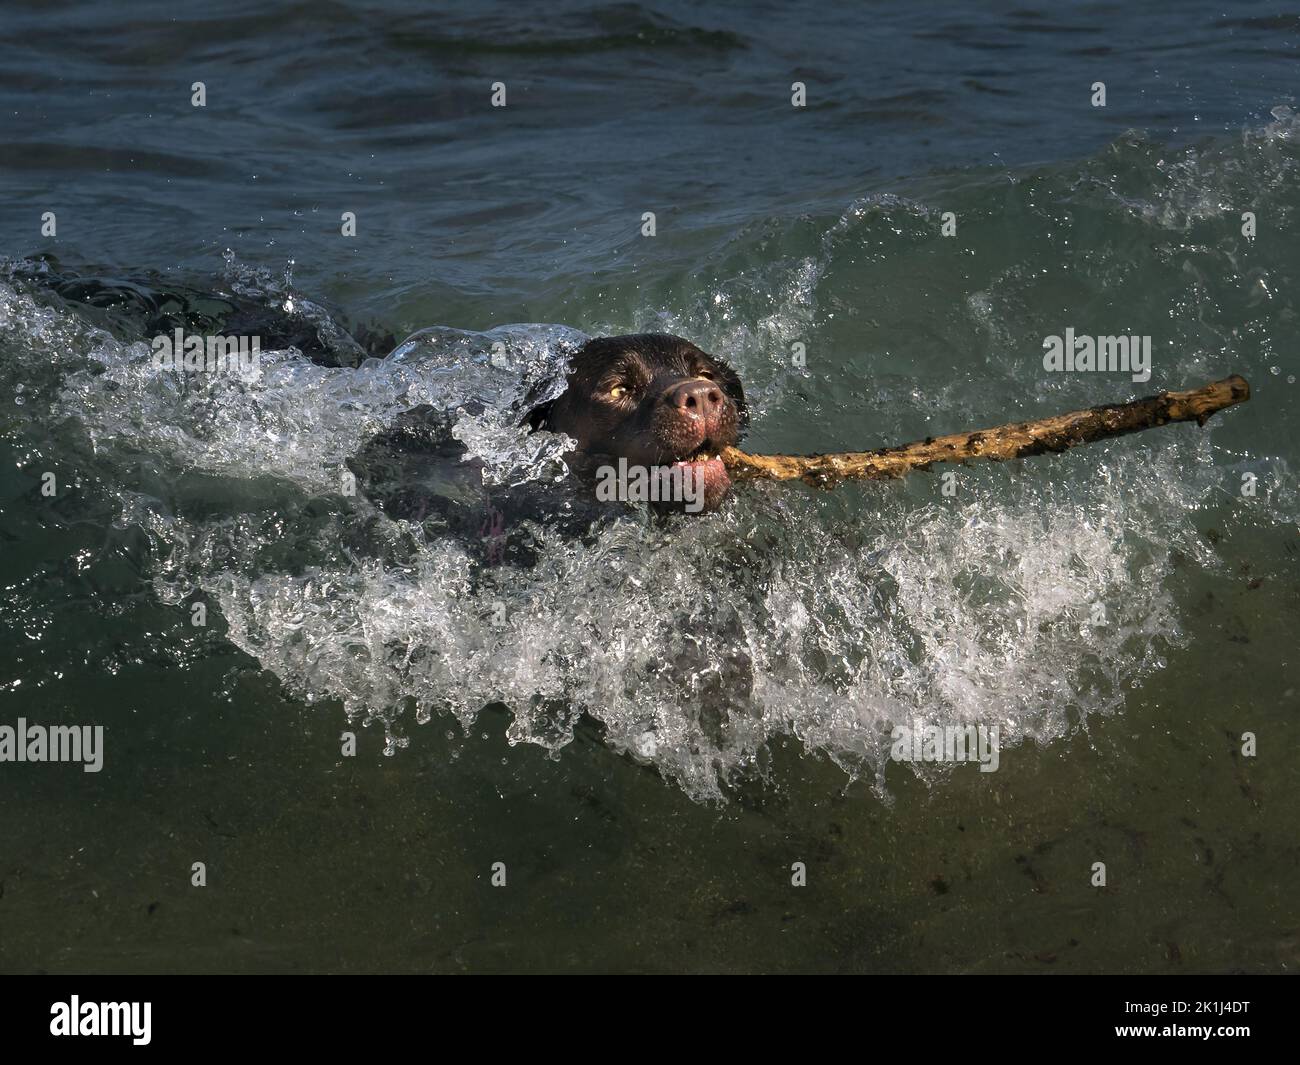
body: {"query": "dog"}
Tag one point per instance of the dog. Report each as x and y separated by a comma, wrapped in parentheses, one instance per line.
(658, 403)
(647, 401)
(647, 404)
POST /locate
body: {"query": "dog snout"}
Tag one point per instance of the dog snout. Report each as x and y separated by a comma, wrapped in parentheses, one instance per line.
(697, 397)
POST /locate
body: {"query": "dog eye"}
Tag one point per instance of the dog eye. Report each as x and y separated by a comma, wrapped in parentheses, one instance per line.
(706, 374)
(618, 392)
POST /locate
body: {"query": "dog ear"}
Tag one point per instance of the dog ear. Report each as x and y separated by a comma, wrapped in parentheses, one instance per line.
(539, 416)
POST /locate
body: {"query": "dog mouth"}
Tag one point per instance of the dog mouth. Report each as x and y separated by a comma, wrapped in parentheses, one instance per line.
(706, 458)
(708, 449)
(705, 455)
(709, 471)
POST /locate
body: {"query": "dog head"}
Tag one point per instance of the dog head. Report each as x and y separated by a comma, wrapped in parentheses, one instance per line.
(656, 401)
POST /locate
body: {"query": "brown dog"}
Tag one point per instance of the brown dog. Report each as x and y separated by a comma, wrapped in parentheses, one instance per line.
(655, 401)
(649, 402)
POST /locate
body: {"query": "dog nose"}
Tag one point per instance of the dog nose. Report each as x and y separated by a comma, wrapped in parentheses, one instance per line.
(694, 397)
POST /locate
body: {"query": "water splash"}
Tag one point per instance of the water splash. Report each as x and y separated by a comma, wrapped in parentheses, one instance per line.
(1036, 597)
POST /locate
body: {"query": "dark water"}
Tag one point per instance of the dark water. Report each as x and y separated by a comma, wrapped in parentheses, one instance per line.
(655, 833)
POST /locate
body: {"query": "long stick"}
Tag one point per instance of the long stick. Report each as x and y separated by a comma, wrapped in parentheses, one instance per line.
(1014, 441)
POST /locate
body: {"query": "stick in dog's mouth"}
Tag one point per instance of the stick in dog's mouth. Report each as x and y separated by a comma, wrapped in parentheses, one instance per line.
(710, 452)
(1015, 440)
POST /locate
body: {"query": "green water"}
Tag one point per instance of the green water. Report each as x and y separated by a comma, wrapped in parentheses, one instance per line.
(384, 864)
(653, 831)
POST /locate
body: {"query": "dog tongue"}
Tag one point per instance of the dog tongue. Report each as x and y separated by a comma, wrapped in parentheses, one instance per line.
(713, 476)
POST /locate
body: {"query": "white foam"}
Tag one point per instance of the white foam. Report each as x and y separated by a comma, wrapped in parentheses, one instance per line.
(856, 610)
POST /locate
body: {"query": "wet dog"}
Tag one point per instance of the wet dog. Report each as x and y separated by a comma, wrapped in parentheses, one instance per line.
(647, 408)
(659, 404)
(651, 407)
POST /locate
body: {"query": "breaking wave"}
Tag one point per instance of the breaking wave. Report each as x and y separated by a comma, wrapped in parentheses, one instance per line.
(1034, 596)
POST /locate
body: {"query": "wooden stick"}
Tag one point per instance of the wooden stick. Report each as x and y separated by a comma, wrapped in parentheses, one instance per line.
(1014, 441)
